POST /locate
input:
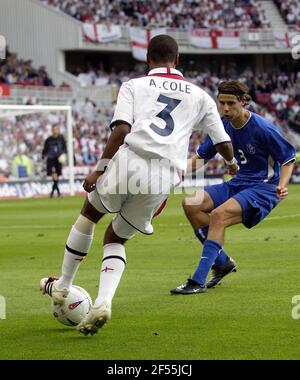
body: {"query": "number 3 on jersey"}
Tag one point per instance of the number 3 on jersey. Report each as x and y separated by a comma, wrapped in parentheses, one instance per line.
(171, 104)
(243, 157)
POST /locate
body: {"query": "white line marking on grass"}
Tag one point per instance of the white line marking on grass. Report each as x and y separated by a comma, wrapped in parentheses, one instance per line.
(269, 218)
(283, 217)
(28, 226)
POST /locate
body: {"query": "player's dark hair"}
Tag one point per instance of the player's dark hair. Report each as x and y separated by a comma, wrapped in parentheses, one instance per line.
(163, 49)
(233, 87)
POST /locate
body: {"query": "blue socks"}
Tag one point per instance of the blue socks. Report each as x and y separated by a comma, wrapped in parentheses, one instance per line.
(201, 234)
(222, 258)
(211, 251)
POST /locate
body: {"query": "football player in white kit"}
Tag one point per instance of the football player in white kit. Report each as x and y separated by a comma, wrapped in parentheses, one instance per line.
(154, 118)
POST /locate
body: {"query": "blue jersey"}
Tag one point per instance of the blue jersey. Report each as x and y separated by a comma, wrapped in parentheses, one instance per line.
(258, 147)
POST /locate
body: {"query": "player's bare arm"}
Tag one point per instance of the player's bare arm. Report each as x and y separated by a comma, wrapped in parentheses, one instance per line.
(285, 176)
(226, 151)
(114, 142)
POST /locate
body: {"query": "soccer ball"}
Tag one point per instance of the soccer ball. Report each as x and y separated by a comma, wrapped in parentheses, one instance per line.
(62, 159)
(77, 305)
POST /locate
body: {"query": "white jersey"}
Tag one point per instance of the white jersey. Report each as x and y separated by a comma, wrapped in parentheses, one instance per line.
(163, 109)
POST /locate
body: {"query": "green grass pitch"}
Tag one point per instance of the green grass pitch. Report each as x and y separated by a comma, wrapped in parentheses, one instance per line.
(247, 317)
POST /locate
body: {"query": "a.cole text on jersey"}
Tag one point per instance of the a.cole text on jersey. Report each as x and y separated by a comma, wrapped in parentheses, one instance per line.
(168, 85)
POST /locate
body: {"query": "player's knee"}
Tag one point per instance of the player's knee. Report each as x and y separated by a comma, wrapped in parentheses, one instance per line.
(111, 237)
(217, 218)
(191, 207)
(89, 211)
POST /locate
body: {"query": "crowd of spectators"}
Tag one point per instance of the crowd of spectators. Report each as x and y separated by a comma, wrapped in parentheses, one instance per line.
(182, 14)
(290, 11)
(16, 71)
(93, 75)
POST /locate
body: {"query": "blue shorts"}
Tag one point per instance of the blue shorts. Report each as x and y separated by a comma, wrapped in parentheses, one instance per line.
(256, 200)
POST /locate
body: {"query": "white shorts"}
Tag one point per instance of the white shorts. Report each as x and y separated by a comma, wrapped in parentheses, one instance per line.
(134, 188)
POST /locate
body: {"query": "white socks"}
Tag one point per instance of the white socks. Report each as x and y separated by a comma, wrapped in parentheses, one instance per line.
(78, 246)
(113, 265)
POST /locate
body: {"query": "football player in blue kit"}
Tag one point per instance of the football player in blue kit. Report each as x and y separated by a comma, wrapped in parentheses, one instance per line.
(266, 163)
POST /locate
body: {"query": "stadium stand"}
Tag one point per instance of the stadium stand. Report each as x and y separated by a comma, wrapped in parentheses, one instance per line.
(97, 76)
(290, 11)
(16, 71)
(181, 14)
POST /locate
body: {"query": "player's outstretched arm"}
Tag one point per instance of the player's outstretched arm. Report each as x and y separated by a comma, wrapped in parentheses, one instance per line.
(114, 142)
(285, 176)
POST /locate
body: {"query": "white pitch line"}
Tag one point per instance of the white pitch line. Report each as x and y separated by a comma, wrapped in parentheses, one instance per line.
(28, 226)
(267, 219)
(283, 217)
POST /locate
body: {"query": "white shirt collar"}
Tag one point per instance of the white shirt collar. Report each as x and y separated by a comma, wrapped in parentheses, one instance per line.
(165, 70)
